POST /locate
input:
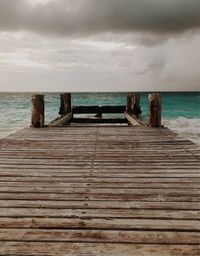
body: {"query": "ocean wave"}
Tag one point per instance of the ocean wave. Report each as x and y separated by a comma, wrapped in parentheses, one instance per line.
(185, 127)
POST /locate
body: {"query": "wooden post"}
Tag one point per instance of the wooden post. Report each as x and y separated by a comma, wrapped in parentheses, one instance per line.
(154, 111)
(129, 103)
(37, 119)
(133, 104)
(65, 104)
(136, 105)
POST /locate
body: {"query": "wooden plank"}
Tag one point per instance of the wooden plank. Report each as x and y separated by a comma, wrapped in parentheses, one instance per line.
(98, 249)
(109, 174)
(99, 197)
(133, 120)
(108, 193)
(111, 204)
(62, 120)
(102, 236)
(118, 217)
(108, 224)
(103, 191)
(104, 223)
(91, 179)
(134, 185)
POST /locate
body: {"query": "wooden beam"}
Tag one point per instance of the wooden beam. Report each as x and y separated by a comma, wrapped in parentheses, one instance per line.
(85, 109)
(154, 110)
(100, 120)
(37, 118)
(61, 121)
(112, 109)
(98, 109)
(132, 120)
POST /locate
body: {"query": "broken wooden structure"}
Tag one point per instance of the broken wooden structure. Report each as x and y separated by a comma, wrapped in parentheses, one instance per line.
(131, 112)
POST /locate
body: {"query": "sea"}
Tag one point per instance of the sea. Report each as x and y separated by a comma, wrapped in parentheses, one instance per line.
(180, 110)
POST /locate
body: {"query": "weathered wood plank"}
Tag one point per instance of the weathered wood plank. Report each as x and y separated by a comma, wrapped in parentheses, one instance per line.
(103, 236)
(62, 120)
(104, 191)
(162, 207)
(23, 208)
(91, 179)
(106, 223)
(133, 120)
(98, 249)
(132, 185)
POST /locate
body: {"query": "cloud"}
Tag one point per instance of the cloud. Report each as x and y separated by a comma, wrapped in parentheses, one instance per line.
(80, 18)
(30, 63)
(99, 45)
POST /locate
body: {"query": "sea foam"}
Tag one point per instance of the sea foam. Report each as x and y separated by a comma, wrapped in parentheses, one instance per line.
(185, 127)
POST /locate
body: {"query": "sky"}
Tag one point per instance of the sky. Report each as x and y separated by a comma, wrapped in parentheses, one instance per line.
(99, 45)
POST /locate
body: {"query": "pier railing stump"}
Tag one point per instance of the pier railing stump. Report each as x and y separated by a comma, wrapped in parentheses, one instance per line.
(37, 119)
(154, 110)
(133, 104)
(65, 104)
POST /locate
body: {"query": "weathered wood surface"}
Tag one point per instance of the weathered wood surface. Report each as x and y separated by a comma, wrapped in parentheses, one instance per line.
(37, 117)
(65, 104)
(133, 104)
(99, 191)
(133, 119)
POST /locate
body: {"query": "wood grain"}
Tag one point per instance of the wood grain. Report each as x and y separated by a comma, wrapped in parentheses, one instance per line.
(99, 190)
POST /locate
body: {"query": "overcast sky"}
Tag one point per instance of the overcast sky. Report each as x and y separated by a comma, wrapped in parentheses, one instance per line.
(99, 45)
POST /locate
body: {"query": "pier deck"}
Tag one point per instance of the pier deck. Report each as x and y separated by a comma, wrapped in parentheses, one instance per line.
(99, 191)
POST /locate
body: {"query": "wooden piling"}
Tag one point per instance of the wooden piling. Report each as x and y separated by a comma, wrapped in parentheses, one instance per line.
(136, 105)
(154, 110)
(133, 104)
(129, 102)
(65, 104)
(37, 119)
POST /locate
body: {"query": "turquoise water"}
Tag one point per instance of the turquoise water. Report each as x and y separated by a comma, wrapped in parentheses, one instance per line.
(180, 111)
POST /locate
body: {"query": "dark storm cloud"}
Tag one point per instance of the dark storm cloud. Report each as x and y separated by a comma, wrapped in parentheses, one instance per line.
(90, 17)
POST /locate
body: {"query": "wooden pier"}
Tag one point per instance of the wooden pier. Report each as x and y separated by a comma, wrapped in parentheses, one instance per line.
(99, 190)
